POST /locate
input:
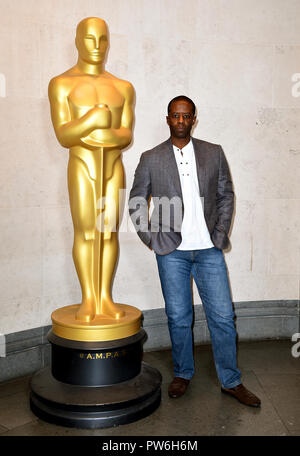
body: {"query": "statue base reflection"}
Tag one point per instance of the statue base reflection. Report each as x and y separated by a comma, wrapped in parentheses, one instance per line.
(95, 384)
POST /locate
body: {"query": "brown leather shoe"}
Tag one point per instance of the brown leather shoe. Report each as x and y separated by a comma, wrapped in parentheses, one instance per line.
(178, 387)
(242, 395)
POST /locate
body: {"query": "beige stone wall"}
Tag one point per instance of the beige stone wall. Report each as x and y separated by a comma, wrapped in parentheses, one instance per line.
(235, 58)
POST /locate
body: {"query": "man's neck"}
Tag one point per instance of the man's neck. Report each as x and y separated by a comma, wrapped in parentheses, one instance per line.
(90, 68)
(180, 142)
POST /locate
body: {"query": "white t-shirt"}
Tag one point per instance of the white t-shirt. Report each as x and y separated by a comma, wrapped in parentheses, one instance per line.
(194, 232)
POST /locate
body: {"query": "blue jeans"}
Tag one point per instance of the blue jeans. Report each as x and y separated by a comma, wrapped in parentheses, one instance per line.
(209, 271)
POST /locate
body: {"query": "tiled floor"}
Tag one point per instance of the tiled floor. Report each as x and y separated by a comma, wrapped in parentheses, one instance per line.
(268, 369)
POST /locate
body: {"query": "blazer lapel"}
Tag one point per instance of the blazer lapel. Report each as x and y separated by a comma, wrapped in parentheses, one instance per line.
(200, 165)
(171, 165)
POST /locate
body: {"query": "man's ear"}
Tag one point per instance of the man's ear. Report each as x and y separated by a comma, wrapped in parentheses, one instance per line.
(167, 119)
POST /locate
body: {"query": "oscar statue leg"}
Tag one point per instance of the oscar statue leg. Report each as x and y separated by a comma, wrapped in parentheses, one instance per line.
(82, 203)
(110, 239)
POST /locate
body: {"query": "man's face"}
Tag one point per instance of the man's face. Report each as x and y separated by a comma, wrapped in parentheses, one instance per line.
(181, 119)
(92, 40)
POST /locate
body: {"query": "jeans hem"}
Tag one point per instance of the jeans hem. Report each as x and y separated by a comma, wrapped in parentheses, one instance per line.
(233, 384)
(185, 376)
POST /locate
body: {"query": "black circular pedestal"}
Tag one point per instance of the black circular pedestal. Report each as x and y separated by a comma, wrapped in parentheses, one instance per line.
(95, 384)
(96, 363)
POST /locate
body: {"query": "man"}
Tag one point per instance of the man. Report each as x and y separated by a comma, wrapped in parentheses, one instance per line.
(197, 174)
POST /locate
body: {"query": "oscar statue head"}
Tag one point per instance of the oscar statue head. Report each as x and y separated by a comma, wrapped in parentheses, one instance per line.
(92, 40)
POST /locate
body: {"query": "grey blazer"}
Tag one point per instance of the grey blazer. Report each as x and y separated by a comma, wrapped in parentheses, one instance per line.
(157, 176)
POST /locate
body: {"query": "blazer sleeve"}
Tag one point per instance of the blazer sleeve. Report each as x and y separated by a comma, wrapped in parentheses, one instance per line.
(138, 200)
(225, 195)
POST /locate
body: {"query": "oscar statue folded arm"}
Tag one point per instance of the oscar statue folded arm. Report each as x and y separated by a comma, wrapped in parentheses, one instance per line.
(71, 132)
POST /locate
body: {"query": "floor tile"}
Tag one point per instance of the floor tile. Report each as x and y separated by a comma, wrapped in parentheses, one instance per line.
(14, 386)
(268, 356)
(15, 410)
(161, 360)
(3, 429)
(283, 391)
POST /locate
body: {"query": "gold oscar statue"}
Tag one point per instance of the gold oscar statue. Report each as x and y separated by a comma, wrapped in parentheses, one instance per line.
(92, 115)
(97, 377)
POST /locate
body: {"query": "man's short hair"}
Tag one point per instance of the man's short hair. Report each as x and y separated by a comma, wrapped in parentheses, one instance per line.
(184, 98)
